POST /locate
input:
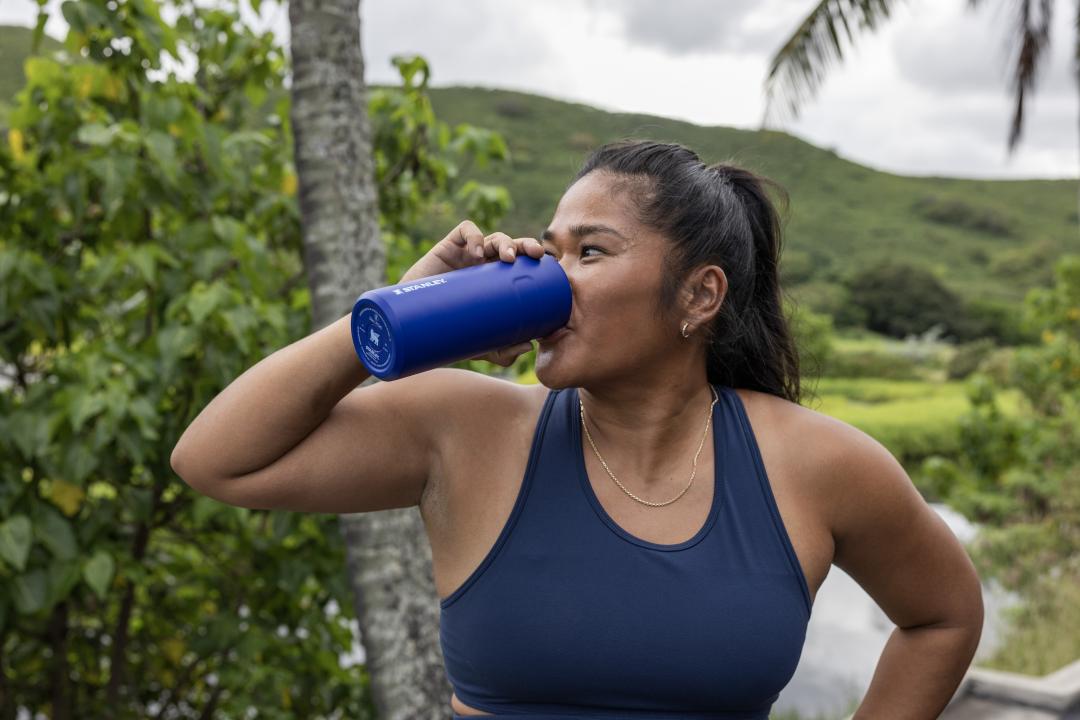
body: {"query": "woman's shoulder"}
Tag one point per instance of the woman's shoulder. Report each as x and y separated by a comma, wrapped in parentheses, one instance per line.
(801, 425)
(837, 463)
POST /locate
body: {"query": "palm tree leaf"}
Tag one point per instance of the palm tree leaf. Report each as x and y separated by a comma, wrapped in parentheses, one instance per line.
(1033, 35)
(798, 67)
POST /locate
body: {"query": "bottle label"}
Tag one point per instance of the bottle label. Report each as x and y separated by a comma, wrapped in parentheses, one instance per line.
(374, 338)
(418, 286)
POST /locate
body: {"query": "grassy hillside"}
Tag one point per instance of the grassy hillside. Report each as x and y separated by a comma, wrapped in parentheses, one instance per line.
(984, 238)
(14, 47)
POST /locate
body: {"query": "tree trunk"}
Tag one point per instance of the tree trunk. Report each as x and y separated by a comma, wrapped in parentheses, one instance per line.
(389, 559)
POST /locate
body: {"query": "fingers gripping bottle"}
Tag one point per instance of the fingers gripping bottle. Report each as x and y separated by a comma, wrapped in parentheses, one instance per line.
(407, 328)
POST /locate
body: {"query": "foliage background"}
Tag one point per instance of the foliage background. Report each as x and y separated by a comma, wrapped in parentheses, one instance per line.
(149, 254)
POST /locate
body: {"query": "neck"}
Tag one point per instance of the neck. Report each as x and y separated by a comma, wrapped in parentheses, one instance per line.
(649, 433)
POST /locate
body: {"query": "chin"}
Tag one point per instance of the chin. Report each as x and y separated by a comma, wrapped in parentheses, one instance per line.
(552, 374)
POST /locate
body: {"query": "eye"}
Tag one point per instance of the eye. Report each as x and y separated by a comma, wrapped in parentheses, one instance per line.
(584, 249)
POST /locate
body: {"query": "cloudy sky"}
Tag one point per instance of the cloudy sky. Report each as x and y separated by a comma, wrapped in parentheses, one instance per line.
(927, 93)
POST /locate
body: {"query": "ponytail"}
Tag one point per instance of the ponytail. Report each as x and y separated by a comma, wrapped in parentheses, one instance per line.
(751, 345)
(715, 214)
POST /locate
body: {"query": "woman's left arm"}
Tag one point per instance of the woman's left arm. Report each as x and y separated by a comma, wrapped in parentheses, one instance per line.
(891, 542)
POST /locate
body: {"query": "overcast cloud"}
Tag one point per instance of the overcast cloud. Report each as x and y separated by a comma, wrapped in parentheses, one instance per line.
(928, 93)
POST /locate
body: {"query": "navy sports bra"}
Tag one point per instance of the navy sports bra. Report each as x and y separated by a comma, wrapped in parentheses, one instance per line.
(571, 616)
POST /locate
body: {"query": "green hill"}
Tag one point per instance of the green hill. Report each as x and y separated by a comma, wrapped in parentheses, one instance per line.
(985, 239)
(990, 239)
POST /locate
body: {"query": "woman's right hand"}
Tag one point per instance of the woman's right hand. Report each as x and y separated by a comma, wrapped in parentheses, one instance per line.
(464, 246)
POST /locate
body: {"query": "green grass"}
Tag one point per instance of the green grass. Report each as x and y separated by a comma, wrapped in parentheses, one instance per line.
(1038, 640)
(913, 419)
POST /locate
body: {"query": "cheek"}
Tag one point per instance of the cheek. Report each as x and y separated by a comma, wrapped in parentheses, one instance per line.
(623, 314)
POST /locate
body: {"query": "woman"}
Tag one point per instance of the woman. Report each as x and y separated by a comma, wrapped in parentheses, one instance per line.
(642, 533)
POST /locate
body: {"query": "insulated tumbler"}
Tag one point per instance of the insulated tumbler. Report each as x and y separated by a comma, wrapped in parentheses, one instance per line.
(407, 328)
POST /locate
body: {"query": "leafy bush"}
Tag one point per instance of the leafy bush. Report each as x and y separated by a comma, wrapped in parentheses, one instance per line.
(149, 253)
(871, 364)
(512, 108)
(963, 214)
(813, 333)
(901, 300)
(833, 299)
(1034, 263)
(997, 365)
(997, 319)
(968, 357)
(1017, 474)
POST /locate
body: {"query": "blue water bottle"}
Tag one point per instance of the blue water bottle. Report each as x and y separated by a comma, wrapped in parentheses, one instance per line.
(407, 328)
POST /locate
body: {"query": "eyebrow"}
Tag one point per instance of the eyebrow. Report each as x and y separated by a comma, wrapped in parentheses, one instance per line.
(579, 231)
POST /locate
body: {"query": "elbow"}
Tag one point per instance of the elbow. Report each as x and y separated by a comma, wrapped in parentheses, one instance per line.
(181, 466)
(178, 463)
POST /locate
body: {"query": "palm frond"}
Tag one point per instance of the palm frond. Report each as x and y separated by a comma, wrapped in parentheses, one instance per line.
(1033, 36)
(798, 67)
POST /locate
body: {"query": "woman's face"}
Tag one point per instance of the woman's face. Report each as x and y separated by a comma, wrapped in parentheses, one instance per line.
(614, 265)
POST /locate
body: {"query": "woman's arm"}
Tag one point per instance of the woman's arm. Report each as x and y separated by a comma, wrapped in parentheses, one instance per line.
(271, 407)
(891, 542)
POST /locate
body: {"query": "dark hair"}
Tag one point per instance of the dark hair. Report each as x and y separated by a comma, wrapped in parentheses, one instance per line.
(714, 214)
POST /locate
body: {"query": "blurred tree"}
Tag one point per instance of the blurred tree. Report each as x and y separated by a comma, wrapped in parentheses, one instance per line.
(150, 251)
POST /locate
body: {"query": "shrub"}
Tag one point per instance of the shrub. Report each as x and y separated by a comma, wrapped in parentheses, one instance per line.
(513, 109)
(870, 364)
(962, 214)
(968, 357)
(901, 299)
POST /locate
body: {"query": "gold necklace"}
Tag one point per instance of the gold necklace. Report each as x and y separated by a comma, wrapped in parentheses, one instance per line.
(708, 417)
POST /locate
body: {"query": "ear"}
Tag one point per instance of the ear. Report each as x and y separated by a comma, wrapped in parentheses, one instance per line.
(704, 293)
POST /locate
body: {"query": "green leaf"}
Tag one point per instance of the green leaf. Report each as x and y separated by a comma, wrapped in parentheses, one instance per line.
(174, 342)
(15, 540)
(162, 150)
(84, 406)
(30, 432)
(229, 230)
(97, 134)
(204, 508)
(239, 139)
(63, 576)
(239, 322)
(83, 16)
(144, 259)
(55, 533)
(98, 573)
(281, 521)
(29, 591)
(41, 71)
(205, 299)
(116, 172)
(146, 417)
